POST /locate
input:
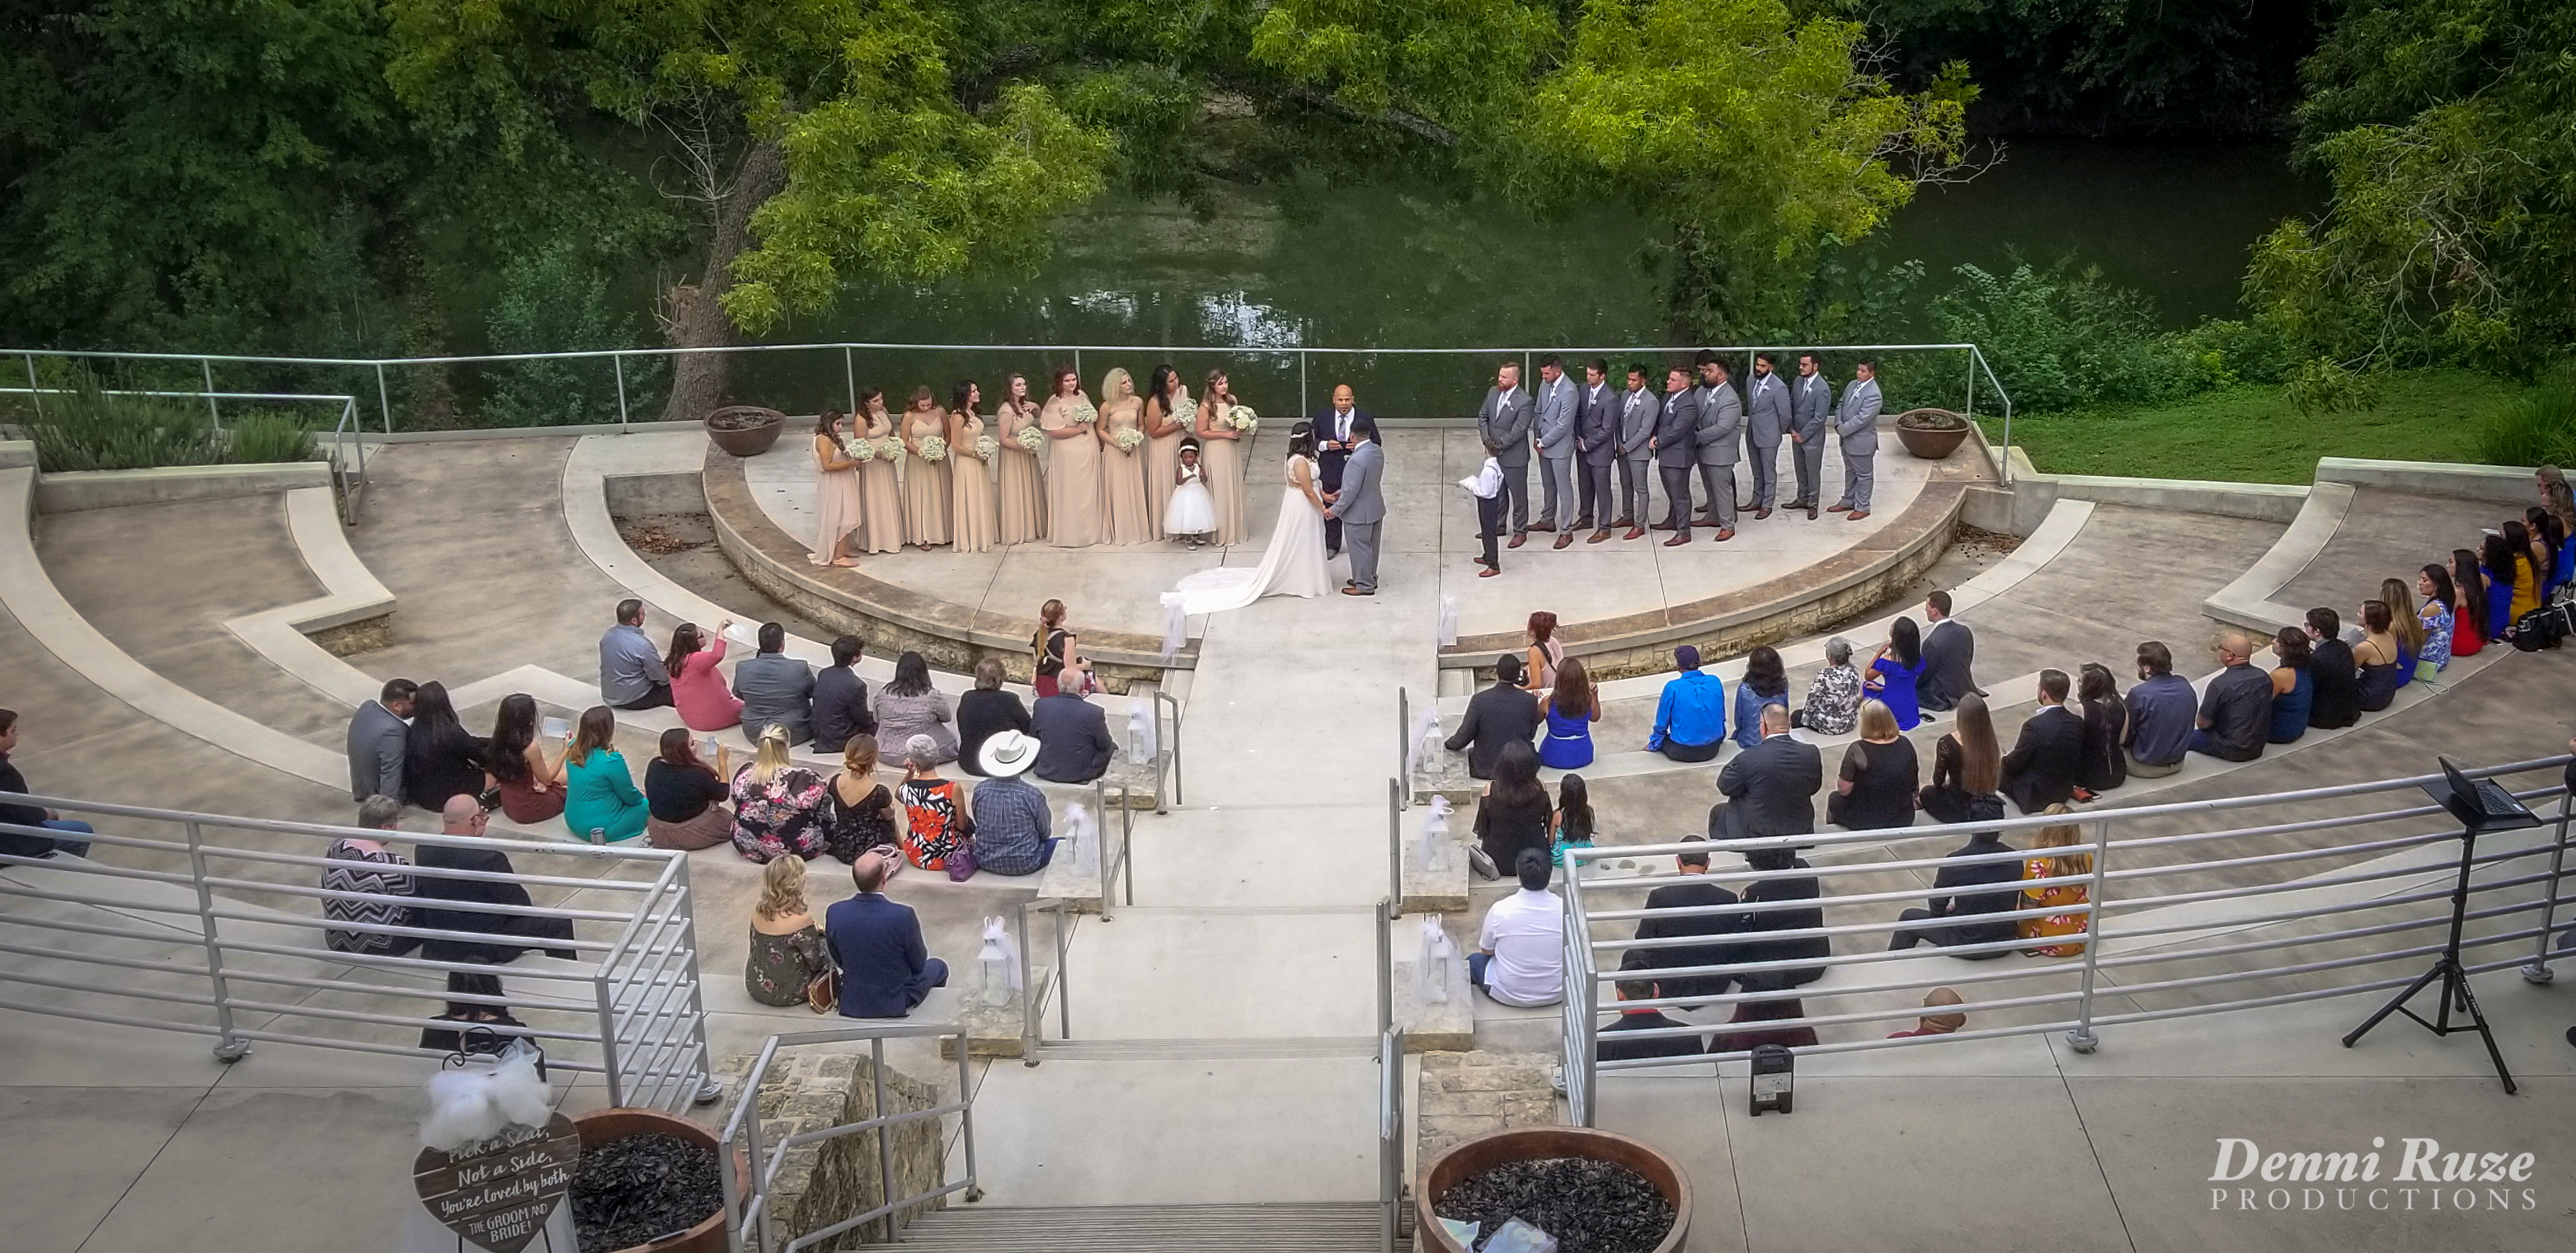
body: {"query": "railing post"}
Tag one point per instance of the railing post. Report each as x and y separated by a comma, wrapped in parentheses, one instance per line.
(710, 1088)
(1403, 743)
(760, 1232)
(1304, 405)
(35, 390)
(1394, 847)
(1970, 413)
(227, 1048)
(850, 379)
(1063, 979)
(2538, 971)
(1100, 811)
(2082, 1039)
(966, 1115)
(608, 1060)
(1028, 993)
(1386, 968)
(1390, 1135)
(214, 413)
(620, 360)
(885, 1135)
(384, 399)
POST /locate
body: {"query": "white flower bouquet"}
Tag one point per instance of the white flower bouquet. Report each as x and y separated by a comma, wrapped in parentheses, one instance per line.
(934, 448)
(859, 449)
(1242, 418)
(1127, 438)
(986, 446)
(1031, 438)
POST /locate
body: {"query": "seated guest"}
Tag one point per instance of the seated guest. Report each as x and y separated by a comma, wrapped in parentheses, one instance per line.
(1520, 949)
(2334, 698)
(1571, 708)
(15, 784)
(1942, 1023)
(376, 742)
(1499, 715)
(1073, 738)
(1700, 893)
(2059, 881)
(1754, 1012)
(2236, 709)
(2042, 767)
(1765, 683)
(2469, 610)
(2376, 657)
(1571, 825)
(1690, 716)
(885, 968)
(631, 671)
(600, 800)
(984, 711)
(841, 698)
(859, 814)
(936, 822)
(2403, 626)
(776, 690)
(2106, 726)
(777, 804)
(1834, 695)
(910, 706)
(2294, 689)
(1770, 788)
(1948, 652)
(1760, 946)
(1512, 812)
(366, 865)
(2162, 709)
(1011, 819)
(1894, 671)
(1875, 787)
(2516, 551)
(697, 687)
(2503, 570)
(1968, 768)
(1953, 916)
(440, 758)
(787, 949)
(2439, 627)
(531, 784)
(683, 797)
(448, 904)
(1637, 984)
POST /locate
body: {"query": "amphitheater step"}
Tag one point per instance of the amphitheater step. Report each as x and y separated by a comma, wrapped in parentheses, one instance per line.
(1319, 1228)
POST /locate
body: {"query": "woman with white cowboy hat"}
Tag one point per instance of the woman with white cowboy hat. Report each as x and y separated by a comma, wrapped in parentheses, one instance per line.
(1011, 821)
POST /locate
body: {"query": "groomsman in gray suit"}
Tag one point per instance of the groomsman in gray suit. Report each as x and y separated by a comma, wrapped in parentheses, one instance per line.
(1503, 425)
(1360, 505)
(1638, 411)
(1811, 406)
(1596, 444)
(1675, 453)
(1720, 431)
(1558, 404)
(1857, 423)
(1766, 404)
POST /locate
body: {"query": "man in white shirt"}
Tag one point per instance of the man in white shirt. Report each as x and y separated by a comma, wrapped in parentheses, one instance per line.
(1520, 957)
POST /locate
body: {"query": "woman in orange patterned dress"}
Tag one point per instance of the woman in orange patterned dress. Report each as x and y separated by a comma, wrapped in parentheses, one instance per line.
(2059, 882)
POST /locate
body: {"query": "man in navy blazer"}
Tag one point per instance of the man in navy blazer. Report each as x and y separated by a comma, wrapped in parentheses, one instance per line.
(885, 968)
(1334, 440)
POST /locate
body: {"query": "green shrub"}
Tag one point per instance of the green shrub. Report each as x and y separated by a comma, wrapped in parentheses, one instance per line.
(267, 437)
(88, 429)
(556, 300)
(2323, 385)
(2062, 338)
(2538, 428)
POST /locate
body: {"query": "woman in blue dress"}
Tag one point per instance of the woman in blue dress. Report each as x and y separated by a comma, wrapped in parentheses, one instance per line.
(1571, 710)
(1766, 682)
(1893, 671)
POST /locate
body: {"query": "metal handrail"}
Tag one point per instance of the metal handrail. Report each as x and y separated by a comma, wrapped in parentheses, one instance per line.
(1032, 994)
(1390, 1136)
(1168, 749)
(749, 1219)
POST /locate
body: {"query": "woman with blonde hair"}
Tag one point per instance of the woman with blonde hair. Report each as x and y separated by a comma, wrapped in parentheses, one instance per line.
(787, 947)
(972, 525)
(2403, 624)
(1122, 461)
(1076, 503)
(777, 804)
(1051, 649)
(925, 479)
(2058, 881)
(1221, 453)
(1880, 774)
(1019, 490)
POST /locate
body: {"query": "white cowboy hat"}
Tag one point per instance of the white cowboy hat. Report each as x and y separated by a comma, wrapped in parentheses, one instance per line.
(1007, 753)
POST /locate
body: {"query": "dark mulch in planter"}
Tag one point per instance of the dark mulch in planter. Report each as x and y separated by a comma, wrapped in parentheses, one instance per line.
(639, 1189)
(1589, 1206)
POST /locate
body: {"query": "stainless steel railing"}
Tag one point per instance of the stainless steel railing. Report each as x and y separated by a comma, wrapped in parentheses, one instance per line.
(750, 1221)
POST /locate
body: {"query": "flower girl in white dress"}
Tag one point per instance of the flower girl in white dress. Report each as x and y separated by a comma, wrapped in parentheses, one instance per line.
(1192, 514)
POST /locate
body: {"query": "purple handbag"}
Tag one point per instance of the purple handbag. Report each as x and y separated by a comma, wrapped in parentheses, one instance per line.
(961, 862)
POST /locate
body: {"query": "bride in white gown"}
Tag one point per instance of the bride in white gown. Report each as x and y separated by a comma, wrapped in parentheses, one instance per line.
(1294, 564)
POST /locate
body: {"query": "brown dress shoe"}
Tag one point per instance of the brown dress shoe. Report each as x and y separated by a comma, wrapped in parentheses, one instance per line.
(1725, 533)
(1678, 540)
(1542, 526)
(1838, 509)
(1761, 513)
(1489, 572)
(1565, 539)
(1598, 536)
(1622, 522)
(1856, 515)
(1517, 541)
(1811, 513)
(1661, 526)
(1635, 532)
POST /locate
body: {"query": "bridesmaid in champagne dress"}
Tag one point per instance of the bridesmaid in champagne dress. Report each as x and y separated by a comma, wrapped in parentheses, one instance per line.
(1167, 418)
(1222, 454)
(925, 482)
(1021, 492)
(1077, 507)
(1123, 469)
(884, 529)
(839, 507)
(970, 482)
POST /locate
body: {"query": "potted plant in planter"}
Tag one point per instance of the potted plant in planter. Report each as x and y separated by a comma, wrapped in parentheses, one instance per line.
(1561, 1171)
(1931, 433)
(745, 430)
(647, 1193)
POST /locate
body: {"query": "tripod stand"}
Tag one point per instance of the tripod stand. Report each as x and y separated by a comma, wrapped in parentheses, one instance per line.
(2478, 808)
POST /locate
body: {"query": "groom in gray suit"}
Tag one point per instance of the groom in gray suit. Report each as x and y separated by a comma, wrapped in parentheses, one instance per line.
(1360, 506)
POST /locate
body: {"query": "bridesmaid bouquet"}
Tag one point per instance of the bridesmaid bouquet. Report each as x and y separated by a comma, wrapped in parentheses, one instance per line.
(934, 448)
(1242, 418)
(859, 449)
(1031, 438)
(986, 446)
(1127, 438)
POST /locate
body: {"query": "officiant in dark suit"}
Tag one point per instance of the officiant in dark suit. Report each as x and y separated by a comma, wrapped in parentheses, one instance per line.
(1334, 440)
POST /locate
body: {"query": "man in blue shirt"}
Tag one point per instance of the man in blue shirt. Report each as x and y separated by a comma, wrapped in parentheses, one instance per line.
(1690, 720)
(2162, 714)
(885, 968)
(631, 674)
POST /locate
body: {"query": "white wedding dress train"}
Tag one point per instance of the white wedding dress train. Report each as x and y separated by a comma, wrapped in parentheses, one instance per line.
(1294, 565)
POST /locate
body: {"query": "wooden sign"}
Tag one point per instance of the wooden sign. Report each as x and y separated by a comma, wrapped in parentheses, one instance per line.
(498, 1193)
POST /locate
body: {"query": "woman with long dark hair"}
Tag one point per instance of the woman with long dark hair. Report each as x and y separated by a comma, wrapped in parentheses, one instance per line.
(684, 797)
(531, 786)
(440, 757)
(601, 804)
(972, 524)
(697, 688)
(1221, 451)
(1893, 672)
(2503, 569)
(1077, 501)
(1967, 767)
(2106, 728)
(2468, 604)
(1570, 710)
(1019, 490)
(2547, 538)
(908, 706)
(881, 490)
(840, 506)
(2294, 689)
(1572, 824)
(1167, 414)
(1766, 682)
(2526, 569)
(1513, 812)
(2441, 628)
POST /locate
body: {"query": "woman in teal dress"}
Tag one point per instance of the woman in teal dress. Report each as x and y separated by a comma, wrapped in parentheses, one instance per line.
(599, 793)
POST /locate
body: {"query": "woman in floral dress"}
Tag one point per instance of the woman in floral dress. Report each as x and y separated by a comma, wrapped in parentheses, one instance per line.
(787, 948)
(777, 804)
(936, 821)
(2058, 882)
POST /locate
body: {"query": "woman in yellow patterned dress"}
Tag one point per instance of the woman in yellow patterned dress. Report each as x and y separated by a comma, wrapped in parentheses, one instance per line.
(2058, 882)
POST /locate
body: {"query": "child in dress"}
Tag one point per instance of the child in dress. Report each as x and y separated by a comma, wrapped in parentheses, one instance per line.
(1192, 514)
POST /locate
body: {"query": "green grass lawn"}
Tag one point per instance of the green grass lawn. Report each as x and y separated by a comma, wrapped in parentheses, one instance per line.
(2253, 434)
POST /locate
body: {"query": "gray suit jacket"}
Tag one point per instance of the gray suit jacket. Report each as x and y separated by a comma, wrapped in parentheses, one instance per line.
(1637, 414)
(1503, 423)
(1721, 423)
(1674, 427)
(1857, 420)
(376, 753)
(1766, 399)
(775, 687)
(1557, 406)
(1361, 501)
(1811, 402)
(1598, 425)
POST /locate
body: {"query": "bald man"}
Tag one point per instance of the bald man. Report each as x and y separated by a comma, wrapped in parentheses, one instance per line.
(445, 902)
(1334, 441)
(2236, 709)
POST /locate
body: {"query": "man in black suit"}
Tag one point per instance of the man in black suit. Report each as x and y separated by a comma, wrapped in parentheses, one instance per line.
(1334, 440)
(1701, 892)
(1596, 446)
(2042, 768)
(1771, 787)
(1812, 948)
(1496, 716)
(1618, 1049)
(1952, 918)
(1675, 449)
(1948, 651)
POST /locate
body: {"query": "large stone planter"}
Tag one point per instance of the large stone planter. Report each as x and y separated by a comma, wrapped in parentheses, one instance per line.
(1469, 1157)
(749, 440)
(1930, 443)
(599, 1127)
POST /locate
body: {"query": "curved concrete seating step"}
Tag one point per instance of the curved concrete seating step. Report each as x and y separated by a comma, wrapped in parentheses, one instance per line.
(2364, 521)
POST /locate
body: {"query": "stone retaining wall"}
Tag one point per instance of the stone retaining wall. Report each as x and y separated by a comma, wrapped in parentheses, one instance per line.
(823, 1183)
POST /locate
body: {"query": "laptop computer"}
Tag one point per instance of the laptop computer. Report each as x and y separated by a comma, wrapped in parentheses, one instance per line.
(2480, 804)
